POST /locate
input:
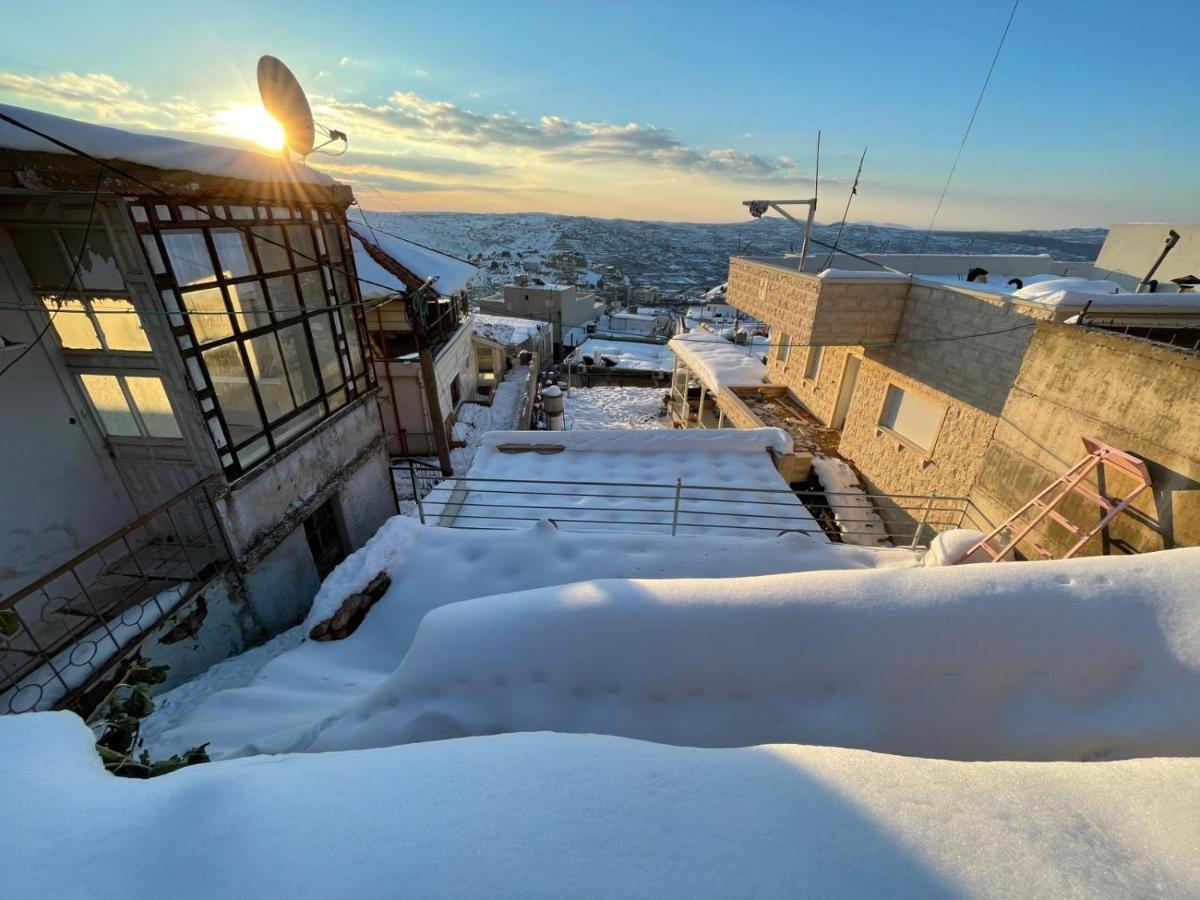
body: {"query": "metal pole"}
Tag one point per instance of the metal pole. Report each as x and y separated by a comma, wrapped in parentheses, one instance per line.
(675, 513)
(412, 474)
(924, 518)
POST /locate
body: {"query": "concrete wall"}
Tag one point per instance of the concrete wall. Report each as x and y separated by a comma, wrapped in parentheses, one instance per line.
(1141, 397)
(1130, 251)
(456, 360)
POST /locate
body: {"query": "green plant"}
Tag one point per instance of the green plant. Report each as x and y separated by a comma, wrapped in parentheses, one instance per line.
(120, 715)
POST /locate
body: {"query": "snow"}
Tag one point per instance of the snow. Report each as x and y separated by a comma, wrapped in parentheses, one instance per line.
(594, 408)
(42, 689)
(506, 330)
(626, 481)
(717, 362)
(113, 144)
(452, 274)
(554, 815)
(633, 355)
(860, 275)
(474, 420)
(852, 508)
(1043, 288)
(1084, 659)
(295, 687)
(374, 281)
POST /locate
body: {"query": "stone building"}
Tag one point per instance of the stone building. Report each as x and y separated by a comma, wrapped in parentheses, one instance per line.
(979, 390)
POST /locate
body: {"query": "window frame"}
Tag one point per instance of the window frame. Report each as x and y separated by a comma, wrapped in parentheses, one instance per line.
(285, 298)
(813, 362)
(784, 349)
(927, 452)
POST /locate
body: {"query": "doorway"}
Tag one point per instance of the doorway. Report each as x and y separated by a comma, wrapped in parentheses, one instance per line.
(846, 391)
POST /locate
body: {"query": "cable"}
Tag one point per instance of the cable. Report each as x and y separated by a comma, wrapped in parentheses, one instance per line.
(970, 122)
(87, 231)
(247, 229)
(846, 211)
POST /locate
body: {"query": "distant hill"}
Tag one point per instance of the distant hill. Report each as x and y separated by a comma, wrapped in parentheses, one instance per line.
(679, 256)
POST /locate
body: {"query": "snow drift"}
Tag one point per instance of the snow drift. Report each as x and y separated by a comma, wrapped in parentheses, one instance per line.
(546, 815)
(1078, 660)
(292, 685)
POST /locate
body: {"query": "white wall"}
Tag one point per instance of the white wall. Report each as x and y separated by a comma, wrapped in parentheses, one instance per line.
(1130, 251)
(456, 358)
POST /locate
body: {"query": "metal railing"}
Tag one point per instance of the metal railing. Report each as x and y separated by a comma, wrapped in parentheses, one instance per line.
(413, 479)
(60, 635)
(681, 509)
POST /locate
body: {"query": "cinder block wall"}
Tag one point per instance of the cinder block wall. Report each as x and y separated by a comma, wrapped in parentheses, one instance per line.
(1138, 396)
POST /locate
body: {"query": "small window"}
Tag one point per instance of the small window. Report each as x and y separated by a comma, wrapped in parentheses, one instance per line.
(784, 347)
(913, 417)
(131, 405)
(812, 365)
(324, 538)
(455, 392)
(80, 323)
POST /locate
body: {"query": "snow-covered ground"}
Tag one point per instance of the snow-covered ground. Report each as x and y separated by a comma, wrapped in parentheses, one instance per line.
(556, 815)
(290, 686)
(637, 356)
(852, 509)
(475, 419)
(589, 409)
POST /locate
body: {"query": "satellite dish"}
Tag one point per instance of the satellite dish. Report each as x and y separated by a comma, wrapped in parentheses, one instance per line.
(284, 99)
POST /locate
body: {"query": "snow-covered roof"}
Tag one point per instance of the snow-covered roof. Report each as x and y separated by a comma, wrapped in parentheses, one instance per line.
(717, 362)
(634, 355)
(860, 275)
(115, 144)
(371, 274)
(731, 484)
(452, 274)
(506, 330)
(1073, 293)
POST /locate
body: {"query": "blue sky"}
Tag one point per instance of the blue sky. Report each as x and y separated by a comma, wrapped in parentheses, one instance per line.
(670, 110)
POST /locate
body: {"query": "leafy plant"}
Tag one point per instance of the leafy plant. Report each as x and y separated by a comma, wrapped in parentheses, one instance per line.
(121, 714)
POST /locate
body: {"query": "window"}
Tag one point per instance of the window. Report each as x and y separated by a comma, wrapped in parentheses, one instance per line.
(269, 332)
(812, 365)
(913, 417)
(324, 538)
(455, 391)
(784, 347)
(131, 405)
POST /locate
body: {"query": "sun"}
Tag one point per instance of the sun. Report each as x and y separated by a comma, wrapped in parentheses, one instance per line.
(253, 123)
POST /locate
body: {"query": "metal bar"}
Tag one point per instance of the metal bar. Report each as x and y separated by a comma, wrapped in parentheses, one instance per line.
(924, 519)
(417, 494)
(678, 490)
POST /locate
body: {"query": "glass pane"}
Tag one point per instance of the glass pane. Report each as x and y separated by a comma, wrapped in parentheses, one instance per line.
(251, 453)
(268, 241)
(189, 257)
(299, 364)
(302, 245)
(207, 314)
(267, 365)
(355, 348)
(120, 323)
(293, 427)
(105, 393)
(334, 243)
(42, 257)
(232, 387)
(233, 251)
(312, 289)
(283, 297)
(151, 401)
(98, 269)
(327, 354)
(157, 266)
(71, 324)
(248, 299)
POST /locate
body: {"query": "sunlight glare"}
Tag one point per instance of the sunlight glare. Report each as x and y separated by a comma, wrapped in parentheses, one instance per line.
(253, 123)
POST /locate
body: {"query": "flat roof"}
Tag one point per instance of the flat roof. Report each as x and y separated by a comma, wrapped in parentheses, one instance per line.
(719, 363)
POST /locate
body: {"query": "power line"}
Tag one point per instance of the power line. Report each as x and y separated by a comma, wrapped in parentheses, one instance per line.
(70, 280)
(970, 122)
(246, 229)
(853, 191)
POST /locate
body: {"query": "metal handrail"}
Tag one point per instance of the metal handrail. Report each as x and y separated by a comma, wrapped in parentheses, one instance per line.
(116, 536)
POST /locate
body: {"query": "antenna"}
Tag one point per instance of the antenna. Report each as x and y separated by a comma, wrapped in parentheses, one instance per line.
(285, 100)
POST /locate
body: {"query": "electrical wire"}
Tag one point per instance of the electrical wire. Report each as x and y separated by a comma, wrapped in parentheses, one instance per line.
(247, 229)
(846, 212)
(970, 122)
(87, 231)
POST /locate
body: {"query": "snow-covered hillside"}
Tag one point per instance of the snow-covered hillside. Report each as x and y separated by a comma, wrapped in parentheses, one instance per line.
(680, 258)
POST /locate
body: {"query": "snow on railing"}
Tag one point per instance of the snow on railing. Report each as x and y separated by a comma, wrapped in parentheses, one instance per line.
(62, 634)
(682, 509)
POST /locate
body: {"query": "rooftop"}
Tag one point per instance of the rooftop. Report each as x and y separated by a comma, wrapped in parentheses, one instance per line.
(717, 362)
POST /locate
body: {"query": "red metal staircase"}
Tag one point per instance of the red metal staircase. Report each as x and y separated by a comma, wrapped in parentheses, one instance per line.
(1046, 504)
